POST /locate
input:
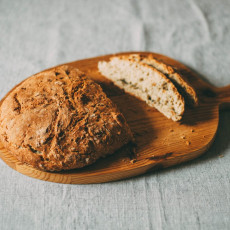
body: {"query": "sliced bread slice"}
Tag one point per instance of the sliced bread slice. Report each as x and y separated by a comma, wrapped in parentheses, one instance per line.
(145, 82)
(179, 81)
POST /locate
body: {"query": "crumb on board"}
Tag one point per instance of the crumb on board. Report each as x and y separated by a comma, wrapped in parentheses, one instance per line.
(133, 161)
(171, 130)
(188, 142)
(182, 137)
(192, 130)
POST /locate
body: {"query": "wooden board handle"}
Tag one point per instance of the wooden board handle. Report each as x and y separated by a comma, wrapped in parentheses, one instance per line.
(223, 96)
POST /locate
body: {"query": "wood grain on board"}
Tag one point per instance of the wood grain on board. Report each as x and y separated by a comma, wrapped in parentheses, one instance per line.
(160, 142)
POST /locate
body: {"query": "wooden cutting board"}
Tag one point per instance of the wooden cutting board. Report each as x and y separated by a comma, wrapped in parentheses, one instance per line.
(160, 142)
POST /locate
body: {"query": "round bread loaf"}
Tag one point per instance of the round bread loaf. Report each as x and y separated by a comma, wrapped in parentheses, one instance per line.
(59, 119)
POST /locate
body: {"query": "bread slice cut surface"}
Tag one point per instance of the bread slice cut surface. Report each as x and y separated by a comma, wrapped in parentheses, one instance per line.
(181, 82)
(145, 82)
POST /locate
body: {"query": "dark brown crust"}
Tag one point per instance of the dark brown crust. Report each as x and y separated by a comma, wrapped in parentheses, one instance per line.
(59, 119)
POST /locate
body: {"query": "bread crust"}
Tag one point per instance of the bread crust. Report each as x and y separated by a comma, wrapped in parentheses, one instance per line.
(59, 120)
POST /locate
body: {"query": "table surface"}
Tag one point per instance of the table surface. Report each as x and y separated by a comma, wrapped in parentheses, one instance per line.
(35, 35)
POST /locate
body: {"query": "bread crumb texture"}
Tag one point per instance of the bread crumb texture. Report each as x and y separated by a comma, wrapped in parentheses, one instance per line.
(59, 119)
(145, 82)
(181, 82)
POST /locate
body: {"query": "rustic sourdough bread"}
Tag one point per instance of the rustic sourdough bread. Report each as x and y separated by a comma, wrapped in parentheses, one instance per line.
(180, 82)
(60, 119)
(145, 82)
